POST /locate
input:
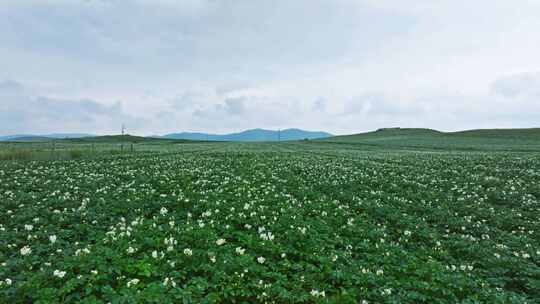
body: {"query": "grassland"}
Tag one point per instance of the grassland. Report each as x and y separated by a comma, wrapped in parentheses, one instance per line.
(428, 218)
(427, 139)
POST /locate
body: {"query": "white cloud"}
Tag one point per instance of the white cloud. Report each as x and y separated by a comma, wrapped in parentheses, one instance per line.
(23, 112)
(522, 85)
(341, 66)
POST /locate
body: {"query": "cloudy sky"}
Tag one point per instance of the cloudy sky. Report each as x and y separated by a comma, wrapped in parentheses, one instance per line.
(342, 66)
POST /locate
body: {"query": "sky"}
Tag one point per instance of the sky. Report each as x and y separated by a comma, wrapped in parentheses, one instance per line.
(219, 66)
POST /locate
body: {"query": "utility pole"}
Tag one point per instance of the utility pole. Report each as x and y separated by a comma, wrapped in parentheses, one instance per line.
(123, 133)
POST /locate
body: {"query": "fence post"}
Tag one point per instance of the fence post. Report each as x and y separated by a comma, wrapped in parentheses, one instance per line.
(53, 149)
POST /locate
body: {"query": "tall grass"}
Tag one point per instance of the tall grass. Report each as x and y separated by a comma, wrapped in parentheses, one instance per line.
(26, 155)
(16, 155)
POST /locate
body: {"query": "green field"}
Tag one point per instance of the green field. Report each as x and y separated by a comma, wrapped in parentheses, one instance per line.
(398, 216)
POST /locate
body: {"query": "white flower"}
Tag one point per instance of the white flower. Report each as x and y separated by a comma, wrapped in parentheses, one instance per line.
(81, 251)
(188, 252)
(130, 250)
(407, 233)
(268, 236)
(132, 282)
(28, 227)
(221, 242)
(240, 250)
(94, 272)
(154, 254)
(169, 281)
(8, 281)
(261, 260)
(170, 241)
(163, 211)
(52, 238)
(26, 250)
(316, 293)
(58, 273)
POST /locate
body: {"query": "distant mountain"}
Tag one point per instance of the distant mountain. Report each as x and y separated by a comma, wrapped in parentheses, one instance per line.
(120, 139)
(68, 135)
(29, 138)
(41, 137)
(252, 135)
(248, 135)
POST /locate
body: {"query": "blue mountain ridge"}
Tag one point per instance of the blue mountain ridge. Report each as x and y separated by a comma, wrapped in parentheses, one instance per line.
(252, 135)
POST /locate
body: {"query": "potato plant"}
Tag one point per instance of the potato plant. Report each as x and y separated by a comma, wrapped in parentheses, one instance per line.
(272, 224)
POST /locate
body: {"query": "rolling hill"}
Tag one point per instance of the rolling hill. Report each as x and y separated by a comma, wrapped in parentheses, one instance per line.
(531, 133)
(43, 137)
(483, 139)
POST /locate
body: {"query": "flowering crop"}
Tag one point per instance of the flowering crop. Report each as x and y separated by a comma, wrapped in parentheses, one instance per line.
(272, 223)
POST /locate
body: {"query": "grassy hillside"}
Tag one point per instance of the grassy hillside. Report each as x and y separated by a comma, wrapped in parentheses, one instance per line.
(532, 133)
(487, 139)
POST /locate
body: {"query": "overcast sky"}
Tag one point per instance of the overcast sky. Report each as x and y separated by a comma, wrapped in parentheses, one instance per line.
(341, 66)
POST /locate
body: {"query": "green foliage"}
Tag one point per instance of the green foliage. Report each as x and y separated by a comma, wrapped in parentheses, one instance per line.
(299, 222)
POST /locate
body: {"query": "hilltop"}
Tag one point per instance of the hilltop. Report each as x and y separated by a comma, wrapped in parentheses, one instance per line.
(532, 133)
